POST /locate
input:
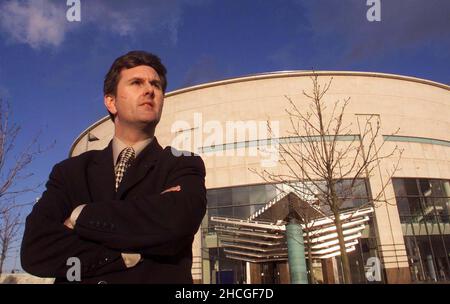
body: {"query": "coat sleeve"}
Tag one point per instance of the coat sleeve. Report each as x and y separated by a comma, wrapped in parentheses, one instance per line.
(47, 244)
(161, 224)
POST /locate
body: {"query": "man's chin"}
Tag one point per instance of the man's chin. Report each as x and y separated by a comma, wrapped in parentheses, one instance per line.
(149, 122)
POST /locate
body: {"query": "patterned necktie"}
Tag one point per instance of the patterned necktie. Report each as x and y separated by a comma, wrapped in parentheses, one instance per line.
(126, 157)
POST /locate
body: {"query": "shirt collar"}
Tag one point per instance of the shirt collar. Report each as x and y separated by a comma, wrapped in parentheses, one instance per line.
(118, 146)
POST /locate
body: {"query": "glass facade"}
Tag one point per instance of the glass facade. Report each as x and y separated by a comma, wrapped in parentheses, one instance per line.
(233, 202)
(242, 201)
(424, 209)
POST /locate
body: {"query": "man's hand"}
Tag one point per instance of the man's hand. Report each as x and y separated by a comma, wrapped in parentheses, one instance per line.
(72, 219)
(172, 189)
(131, 259)
(68, 223)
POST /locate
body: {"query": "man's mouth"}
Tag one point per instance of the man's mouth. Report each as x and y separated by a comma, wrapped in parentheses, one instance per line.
(148, 103)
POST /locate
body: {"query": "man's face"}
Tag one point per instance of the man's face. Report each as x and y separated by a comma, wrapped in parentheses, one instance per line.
(139, 98)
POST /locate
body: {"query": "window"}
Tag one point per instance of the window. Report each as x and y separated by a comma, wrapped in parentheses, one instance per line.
(423, 206)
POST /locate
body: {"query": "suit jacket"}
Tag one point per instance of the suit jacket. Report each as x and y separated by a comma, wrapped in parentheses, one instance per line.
(136, 218)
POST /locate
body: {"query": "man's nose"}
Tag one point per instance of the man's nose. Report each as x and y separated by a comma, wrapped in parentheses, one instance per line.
(149, 89)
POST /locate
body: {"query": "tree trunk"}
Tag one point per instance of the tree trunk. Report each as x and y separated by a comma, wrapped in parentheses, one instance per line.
(2, 260)
(344, 257)
(312, 279)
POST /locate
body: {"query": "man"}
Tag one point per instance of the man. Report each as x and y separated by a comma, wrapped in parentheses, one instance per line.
(129, 213)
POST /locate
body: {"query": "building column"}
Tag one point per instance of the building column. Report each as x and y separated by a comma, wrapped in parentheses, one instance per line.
(248, 274)
(328, 271)
(283, 270)
(390, 241)
(296, 252)
(255, 273)
(388, 229)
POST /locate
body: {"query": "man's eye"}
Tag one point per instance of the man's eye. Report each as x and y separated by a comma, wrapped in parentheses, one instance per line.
(136, 82)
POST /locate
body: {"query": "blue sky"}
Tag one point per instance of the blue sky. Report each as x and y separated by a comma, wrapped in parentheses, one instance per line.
(51, 70)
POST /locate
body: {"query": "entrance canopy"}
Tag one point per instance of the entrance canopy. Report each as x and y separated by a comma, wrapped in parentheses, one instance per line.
(262, 237)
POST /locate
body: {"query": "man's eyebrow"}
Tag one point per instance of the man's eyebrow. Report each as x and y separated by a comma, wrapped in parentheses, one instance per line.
(143, 79)
(135, 78)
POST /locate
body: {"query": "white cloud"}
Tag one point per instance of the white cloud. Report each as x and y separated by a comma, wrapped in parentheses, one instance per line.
(42, 23)
(38, 23)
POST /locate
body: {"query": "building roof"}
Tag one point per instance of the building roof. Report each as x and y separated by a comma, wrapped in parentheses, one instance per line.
(274, 75)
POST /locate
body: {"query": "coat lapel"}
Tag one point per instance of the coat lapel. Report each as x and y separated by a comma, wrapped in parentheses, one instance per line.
(145, 161)
(100, 175)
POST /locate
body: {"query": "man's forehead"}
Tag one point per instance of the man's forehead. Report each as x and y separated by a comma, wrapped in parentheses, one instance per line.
(140, 71)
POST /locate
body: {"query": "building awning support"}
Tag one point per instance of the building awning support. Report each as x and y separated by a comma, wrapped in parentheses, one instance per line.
(296, 252)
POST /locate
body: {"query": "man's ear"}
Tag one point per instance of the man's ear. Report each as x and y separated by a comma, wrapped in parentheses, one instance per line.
(110, 103)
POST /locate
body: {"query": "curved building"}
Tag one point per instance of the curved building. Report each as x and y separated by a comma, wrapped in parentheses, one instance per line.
(225, 122)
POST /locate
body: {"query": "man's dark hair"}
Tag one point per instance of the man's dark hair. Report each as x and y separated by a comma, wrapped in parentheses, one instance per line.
(130, 60)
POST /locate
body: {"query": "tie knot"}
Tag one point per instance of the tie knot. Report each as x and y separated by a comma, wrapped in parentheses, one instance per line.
(124, 161)
(127, 155)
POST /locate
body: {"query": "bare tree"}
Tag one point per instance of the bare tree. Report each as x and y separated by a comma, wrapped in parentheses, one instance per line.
(13, 180)
(325, 158)
(10, 222)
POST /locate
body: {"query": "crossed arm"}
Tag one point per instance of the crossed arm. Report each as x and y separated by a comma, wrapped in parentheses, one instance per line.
(130, 259)
(159, 224)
